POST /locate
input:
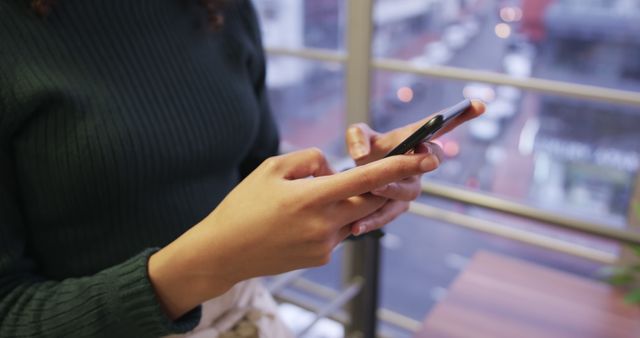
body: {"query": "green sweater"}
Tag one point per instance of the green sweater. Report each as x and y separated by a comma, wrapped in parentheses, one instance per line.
(122, 124)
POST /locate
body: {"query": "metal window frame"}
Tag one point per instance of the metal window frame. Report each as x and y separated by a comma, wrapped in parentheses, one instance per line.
(361, 261)
(362, 257)
(559, 88)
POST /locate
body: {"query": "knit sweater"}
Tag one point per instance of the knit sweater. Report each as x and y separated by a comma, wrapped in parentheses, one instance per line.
(122, 124)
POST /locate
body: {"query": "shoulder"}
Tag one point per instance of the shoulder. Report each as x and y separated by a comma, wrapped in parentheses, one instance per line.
(242, 16)
(242, 31)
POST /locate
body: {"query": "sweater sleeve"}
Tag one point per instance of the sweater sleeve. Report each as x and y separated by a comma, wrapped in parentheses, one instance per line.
(267, 142)
(116, 302)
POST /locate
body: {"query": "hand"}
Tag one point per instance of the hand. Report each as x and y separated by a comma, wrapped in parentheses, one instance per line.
(288, 214)
(366, 145)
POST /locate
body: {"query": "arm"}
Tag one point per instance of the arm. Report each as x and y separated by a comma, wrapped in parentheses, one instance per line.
(118, 301)
(287, 214)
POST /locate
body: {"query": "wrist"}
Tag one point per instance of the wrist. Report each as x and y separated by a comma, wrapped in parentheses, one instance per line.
(184, 276)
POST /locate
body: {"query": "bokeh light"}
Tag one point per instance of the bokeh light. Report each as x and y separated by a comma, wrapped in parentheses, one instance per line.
(451, 149)
(503, 30)
(511, 14)
(405, 94)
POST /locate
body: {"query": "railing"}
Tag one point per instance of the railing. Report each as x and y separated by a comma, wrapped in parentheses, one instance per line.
(452, 73)
(463, 220)
(361, 258)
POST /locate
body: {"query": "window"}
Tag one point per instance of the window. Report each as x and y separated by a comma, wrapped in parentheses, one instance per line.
(307, 102)
(421, 258)
(578, 158)
(300, 23)
(576, 41)
(574, 157)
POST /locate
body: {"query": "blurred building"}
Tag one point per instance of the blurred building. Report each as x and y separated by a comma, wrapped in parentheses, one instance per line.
(588, 153)
(594, 42)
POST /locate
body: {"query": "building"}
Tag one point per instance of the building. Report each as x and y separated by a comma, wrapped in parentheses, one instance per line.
(591, 150)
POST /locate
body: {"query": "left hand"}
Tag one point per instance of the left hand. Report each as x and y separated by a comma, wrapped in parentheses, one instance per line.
(366, 145)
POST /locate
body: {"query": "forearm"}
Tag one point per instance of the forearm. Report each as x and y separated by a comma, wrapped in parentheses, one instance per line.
(118, 301)
(190, 270)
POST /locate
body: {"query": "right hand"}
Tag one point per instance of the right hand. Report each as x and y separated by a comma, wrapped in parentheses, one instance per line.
(287, 214)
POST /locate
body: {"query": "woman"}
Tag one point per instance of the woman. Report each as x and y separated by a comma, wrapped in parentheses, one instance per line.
(123, 124)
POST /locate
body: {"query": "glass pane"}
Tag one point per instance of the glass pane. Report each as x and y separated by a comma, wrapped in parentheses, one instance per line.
(554, 233)
(329, 275)
(422, 257)
(591, 42)
(308, 104)
(302, 23)
(575, 157)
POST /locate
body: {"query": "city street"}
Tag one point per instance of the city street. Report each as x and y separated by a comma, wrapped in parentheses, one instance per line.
(421, 257)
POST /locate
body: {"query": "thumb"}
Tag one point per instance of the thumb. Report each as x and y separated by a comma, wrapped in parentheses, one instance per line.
(300, 164)
(358, 138)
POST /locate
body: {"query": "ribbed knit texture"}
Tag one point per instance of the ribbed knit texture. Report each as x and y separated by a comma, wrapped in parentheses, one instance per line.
(122, 124)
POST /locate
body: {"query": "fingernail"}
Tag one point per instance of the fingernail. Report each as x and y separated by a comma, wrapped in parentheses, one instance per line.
(429, 163)
(358, 150)
(435, 150)
(361, 229)
(429, 150)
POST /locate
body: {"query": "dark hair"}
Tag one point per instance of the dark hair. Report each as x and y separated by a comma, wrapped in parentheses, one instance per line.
(213, 8)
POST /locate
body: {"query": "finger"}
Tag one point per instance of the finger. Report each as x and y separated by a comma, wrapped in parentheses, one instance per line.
(477, 108)
(359, 137)
(407, 189)
(430, 148)
(380, 218)
(387, 141)
(360, 180)
(342, 234)
(301, 164)
(354, 208)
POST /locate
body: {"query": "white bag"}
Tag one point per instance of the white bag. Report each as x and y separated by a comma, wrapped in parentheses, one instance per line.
(238, 313)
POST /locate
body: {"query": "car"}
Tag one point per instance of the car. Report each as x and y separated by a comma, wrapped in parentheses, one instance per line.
(484, 129)
(421, 61)
(510, 93)
(480, 91)
(471, 26)
(500, 109)
(517, 65)
(520, 44)
(435, 53)
(455, 37)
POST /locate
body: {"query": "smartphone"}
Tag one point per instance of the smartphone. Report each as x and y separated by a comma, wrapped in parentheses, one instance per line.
(424, 134)
(430, 128)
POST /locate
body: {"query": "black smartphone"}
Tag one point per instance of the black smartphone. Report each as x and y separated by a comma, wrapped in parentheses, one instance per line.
(430, 128)
(424, 134)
